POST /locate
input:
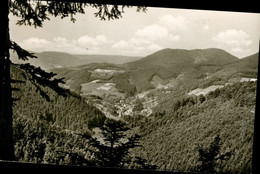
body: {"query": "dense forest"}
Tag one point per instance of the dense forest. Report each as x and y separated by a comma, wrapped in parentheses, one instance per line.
(59, 131)
(70, 112)
(173, 137)
(62, 130)
(123, 85)
(43, 130)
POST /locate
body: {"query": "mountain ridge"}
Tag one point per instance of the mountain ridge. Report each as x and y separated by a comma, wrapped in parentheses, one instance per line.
(184, 56)
(53, 59)
(169, 65)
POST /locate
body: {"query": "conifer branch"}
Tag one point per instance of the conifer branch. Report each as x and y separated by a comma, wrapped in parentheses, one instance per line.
(34, 13)
(22, 53)
(41, 79)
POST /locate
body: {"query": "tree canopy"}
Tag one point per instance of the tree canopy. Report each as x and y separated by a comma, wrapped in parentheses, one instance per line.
(34, 13)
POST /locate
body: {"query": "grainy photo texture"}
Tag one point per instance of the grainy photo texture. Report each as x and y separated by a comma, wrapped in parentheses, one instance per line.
(129, 87)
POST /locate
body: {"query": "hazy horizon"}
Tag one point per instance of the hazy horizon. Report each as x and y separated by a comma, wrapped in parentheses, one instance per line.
(141, 34)
(96, 54)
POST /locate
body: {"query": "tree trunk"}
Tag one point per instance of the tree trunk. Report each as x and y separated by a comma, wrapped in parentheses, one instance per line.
(6, 112)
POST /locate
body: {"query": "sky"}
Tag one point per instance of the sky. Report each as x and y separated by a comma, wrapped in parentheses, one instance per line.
(141, 34)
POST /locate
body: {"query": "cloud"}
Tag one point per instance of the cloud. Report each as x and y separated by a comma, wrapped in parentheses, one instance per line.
(61, 44)
(88, 41)
(121, 45)
(34, 43)
(150, 38)
(233, 38)
(135, 46)
(153, 37)
(241, 52)
(172, 37)
(235, 41)
(167, 28)
(206, 27)
(154, 47)
(152, 32)
(56, 44)
(139, 41)
(174, 23)
(238, 50)
(83, 45)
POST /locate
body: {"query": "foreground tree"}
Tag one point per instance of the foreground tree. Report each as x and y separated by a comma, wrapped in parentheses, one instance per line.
(112, 148)
(210, 156)
(34, 13)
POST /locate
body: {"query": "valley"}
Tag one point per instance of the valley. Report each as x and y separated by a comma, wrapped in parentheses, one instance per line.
(177, 100)
(117, 90)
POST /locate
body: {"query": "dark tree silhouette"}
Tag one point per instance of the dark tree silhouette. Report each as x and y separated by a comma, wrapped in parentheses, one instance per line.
(209, 156)
(6, 132)
(112, 149)
(34, 13)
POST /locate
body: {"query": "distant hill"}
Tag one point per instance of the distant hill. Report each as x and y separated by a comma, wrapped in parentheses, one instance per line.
(183, 68)
(76, 76)
(212, 56)
(190, 65)
(50, 59)
(252, 60)
(115, 59)
(168, 56)
(247, 65)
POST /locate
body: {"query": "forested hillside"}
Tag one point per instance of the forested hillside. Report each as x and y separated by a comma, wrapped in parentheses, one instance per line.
(70, 112)
(212, 56)
(47, 132)
(172, 138)
(155, 97)
(176, 67)
(247, 66)
(61, 131)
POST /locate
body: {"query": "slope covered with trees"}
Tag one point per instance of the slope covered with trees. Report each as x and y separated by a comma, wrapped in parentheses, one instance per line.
(182, 124)
(47, 132)
(172, 138)
(70, 112)
(61, 131)
(167, 64)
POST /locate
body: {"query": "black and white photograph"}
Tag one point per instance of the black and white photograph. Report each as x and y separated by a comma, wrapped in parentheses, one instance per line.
(129, 87)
